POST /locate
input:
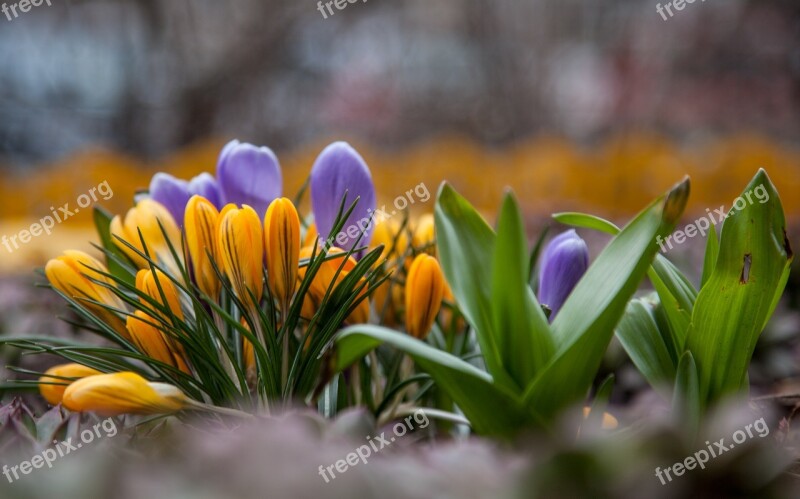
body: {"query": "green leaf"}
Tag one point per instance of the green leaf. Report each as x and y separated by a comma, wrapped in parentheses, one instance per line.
(686, 402)
(491, 409)
(738, 298)
(712, 251)
(523, 333)
(465, 245)
(587, 222)
(677, 297)
(586, 322)
(639, 334)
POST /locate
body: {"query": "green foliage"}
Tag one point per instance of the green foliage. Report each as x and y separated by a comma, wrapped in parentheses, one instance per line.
(488, 275)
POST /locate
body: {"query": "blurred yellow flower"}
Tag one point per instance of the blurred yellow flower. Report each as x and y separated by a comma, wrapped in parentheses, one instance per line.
(53, 393)
(123, 393)
(324, 279)
(424, 237)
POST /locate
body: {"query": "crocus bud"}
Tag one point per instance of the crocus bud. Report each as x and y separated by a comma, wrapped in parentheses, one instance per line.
(394, 239)
(282, 245)
(151, 341)
(170, 192)
(52, 383)
(338, 171)
(249, 175)
(424, 291)
(206, 185)
(311, 235)
(564, 262)
(241, 252)
(145, 218)
(200, 225)
(74, 273)
(149, 283)
(122, 393)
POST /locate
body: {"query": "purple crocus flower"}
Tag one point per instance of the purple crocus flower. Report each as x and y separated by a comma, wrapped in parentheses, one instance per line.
(249, 175)
(340, 170)
(175, 193)
(564, 262)
(208, 187)
(172, 192)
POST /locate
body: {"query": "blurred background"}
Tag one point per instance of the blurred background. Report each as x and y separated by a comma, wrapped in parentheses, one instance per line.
(577, 105)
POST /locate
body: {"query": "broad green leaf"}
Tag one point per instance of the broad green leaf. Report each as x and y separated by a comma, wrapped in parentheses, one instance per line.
(710, 259)
(465, 245)
(586, 322)
(686, 403)
(740, 295)
(523, 333)
(490, 409)
(639, 334)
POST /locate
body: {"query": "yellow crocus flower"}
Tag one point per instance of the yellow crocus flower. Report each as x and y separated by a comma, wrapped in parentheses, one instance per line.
(200, 226)
(52, 392)
(154, 343)
(241, 251)
(424, 291)
(74, 273)
(123, 393)
(145, 218)
(148, 283)
(282, 245)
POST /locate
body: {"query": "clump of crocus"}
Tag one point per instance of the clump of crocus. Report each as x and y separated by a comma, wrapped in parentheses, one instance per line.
(81, 277)
(158, 229)
(123, 393)
(564, 261)
(56, 379)
(424, 291)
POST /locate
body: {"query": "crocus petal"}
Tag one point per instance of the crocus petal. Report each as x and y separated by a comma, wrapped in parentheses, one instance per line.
(171, 192)
(564, 262)
(249, 175)
(53, 384)
(340, 170)
(200, 226)
(241, 251)
(207, 186)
